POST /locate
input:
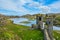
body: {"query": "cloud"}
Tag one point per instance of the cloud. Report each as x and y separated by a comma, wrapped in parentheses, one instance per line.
(29, 6)
(10, 5)
(55, 7)
(37, 7)
(6, 4)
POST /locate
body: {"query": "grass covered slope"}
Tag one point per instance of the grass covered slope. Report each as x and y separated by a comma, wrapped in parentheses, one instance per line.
(10, 31)
(56, 35)
(18, 32)
(25, 22)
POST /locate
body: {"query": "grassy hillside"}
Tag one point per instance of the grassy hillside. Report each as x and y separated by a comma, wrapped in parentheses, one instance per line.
(56, 35)
(18, 32)
(11, 31)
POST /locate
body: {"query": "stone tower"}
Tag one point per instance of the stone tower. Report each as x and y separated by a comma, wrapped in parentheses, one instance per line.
(39, 21)
(49, 23)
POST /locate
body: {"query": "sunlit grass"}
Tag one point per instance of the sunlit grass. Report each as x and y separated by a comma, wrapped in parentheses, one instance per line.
(18, 32)
(56, 35)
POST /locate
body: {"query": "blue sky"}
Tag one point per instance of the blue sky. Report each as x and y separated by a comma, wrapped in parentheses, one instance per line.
(22, 7)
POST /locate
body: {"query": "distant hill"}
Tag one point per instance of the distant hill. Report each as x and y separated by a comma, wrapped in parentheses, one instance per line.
(55, 16)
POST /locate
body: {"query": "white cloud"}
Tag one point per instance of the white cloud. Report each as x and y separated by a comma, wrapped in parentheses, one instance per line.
(55, 7)
(6, 4)
(42, 8)
(10, 5)
(45, 9)
(18, 6)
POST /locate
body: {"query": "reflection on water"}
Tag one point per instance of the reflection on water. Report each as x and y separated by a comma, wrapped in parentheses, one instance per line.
(19, 20)
(56, 28)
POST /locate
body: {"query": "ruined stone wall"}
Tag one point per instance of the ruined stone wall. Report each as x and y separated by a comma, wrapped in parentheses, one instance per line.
(50, 27)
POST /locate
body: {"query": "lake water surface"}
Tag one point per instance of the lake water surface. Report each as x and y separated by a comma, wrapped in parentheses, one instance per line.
(19, 20)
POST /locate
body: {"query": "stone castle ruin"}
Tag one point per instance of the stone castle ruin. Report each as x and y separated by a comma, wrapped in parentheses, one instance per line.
(46, 27)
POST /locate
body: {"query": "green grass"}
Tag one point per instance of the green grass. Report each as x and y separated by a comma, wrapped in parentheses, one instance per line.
(56, 35)
(18, 32)
(25, 22)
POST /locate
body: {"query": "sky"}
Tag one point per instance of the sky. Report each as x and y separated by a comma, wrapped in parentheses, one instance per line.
(22, 7)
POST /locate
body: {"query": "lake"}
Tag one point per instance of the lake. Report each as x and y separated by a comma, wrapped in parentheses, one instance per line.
(19, 20)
